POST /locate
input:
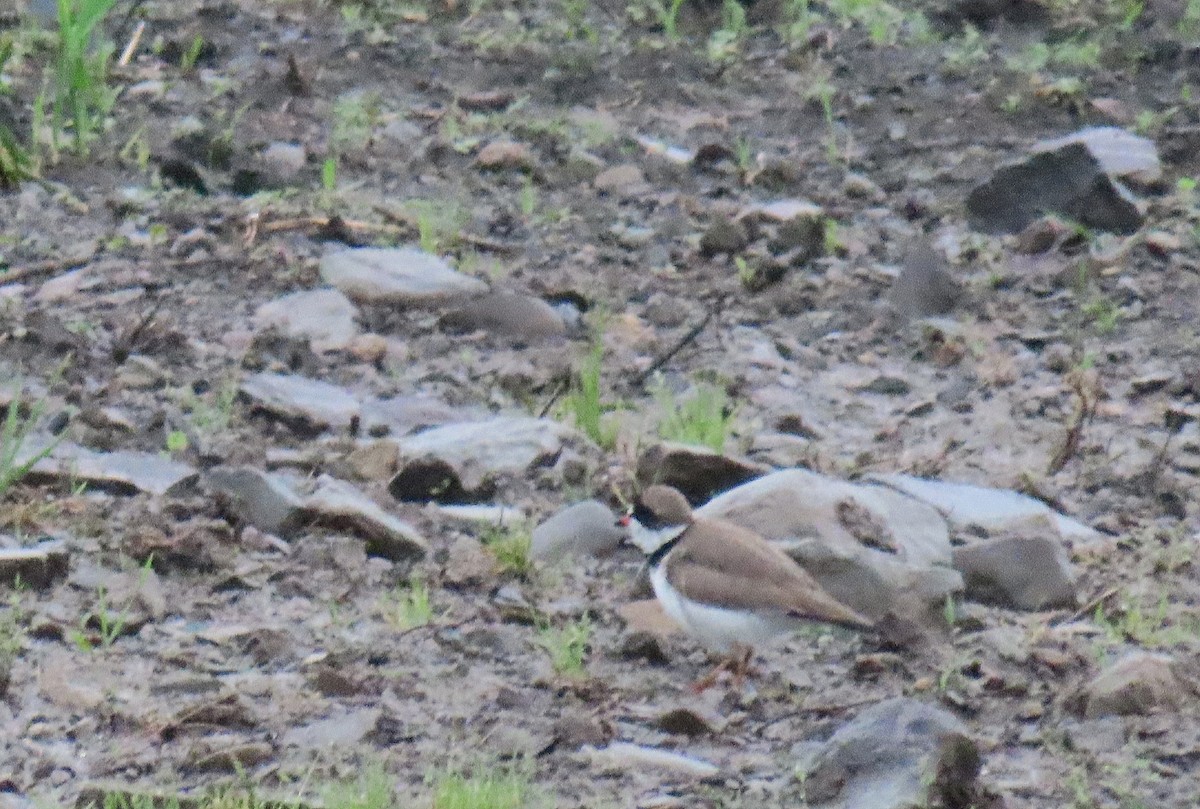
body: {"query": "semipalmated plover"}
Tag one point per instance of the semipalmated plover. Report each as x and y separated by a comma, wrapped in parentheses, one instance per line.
(724, 584)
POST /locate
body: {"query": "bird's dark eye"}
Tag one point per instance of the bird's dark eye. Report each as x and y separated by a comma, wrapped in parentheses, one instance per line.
(646, 517)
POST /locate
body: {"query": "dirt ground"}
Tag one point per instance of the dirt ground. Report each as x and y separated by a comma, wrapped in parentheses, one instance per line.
(280, 663)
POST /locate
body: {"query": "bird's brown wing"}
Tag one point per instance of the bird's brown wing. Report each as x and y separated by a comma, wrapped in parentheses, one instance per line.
(723, 564)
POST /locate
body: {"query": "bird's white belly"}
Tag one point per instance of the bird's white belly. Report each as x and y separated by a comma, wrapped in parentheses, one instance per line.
(715, 627)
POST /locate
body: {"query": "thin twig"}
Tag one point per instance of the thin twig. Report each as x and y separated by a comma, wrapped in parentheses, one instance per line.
(691, 335)
(132, 46)
(44, 267)
(563, 384)
(1090, 607)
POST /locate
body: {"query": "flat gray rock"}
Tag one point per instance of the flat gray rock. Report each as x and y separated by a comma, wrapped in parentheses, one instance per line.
(402, 276)
(325, 317)
(898, 754)
(1119, 153)
(124, 471)
(338, 504)
(479, 450)
(584, 529)
(37, 567)
(401, 415)
(873, 548)
(298, 399)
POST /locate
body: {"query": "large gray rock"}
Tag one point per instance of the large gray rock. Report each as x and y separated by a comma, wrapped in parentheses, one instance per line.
(1068, 180)
(1022, 572)
(873, 548)
(283, 505)
(696, 471)
(310, 403)
(1138, 683)
(506, 314)
(1119, 153)
(401, 276)
(584, 529)
(125, 471)
(899, 754)
(979, 508)
(338, 504)
(265, 500)
(478, 451)
(325, 317)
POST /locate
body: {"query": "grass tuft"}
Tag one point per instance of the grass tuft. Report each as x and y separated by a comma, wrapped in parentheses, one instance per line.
(584, 402)
(567, 646)
(511, 548)
(704, 418)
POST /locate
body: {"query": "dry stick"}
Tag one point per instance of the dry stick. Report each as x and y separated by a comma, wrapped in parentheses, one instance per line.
(1090, 607)
(691, 335)
(558, 392)
(134, 41)
(41, 268)
(1070, 445)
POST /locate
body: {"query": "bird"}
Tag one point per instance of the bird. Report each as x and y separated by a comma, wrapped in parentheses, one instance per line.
(724, 584)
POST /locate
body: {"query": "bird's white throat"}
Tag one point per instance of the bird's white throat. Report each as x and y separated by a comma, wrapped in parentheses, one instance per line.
(651, 539)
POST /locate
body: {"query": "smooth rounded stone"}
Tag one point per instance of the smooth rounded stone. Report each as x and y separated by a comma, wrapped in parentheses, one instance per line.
(324, 316)
(968, 507)
(375, 460)
(505, 154)
(507, 314)
(925, 286)
(339, 505)
(626, 178)
(724, 236)
(468, 564)
(1138, 683)
(896, 754)
(697, 472)
(872, 548)
(1026, 572)
(401, 276)
(308, 402)
(480, 450)
(284, 161)
(620, 757)
(268, 501)
(584, 529)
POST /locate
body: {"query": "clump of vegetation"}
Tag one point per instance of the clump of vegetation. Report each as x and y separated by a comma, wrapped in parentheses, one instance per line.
(1154, 628)
(703, 418)
(104, 624)
(584, 401)
(511, 548)
(82, 95)
(13, 434)
(408, 607)
(486, 788)
(567, 646)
